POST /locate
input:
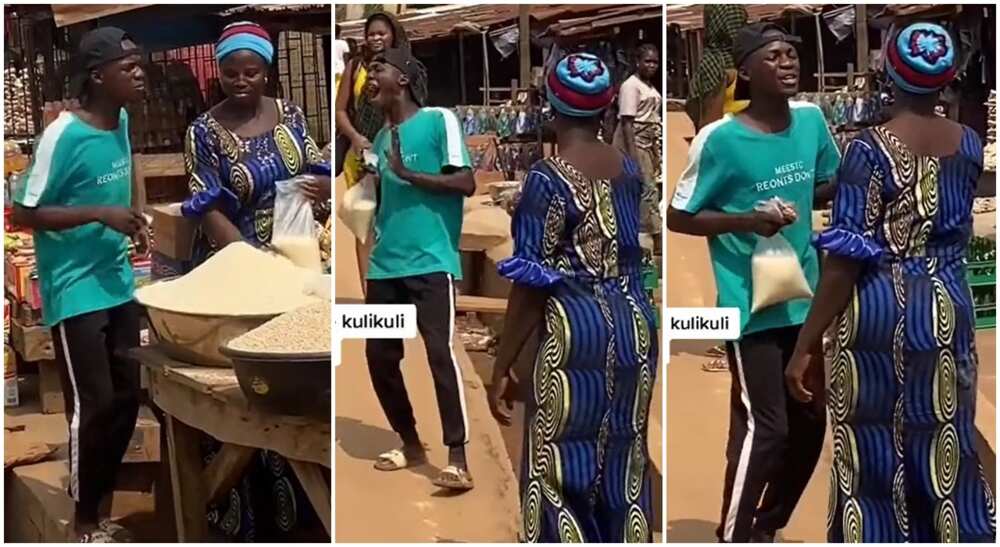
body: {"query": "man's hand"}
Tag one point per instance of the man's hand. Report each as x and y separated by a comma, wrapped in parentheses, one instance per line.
(316, 188)
(766, 223)
(394, 156)
(122, 219)
(141, 239)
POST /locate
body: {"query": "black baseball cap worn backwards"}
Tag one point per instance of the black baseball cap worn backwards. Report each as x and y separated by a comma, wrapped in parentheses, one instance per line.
(751, 38)
(99, 47)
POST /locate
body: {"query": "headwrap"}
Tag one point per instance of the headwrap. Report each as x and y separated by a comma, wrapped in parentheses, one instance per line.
(580, 86)
(415, 72)
(244, 35)
(921, 58)
(721, 23)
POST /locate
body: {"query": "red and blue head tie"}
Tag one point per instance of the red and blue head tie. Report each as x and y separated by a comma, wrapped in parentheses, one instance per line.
(580, 86)
(921, 58)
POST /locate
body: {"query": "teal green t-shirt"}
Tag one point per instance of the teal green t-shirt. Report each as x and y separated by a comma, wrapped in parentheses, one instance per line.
(730, 168)
(416, 230)
(83, 269)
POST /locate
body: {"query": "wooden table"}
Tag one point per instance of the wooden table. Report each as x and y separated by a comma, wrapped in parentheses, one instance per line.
(208, 400)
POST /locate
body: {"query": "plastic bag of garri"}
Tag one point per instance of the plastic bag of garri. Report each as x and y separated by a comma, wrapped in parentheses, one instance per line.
(777, 272)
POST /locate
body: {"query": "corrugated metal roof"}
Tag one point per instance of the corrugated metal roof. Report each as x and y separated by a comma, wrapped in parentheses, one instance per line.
(70, 14)
(564, 20)
(689, 17)
(274, 8)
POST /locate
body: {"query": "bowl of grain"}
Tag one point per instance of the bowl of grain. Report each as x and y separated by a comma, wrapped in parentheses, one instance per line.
(283, 366)
(235, 291)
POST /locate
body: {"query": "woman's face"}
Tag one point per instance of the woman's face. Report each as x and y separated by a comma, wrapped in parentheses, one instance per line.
(242, 76)
(379, 36)
(649, 63)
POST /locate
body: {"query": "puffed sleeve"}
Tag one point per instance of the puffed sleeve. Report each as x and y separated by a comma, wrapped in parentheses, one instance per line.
(857, 207)
(537, 227)
(205, 188)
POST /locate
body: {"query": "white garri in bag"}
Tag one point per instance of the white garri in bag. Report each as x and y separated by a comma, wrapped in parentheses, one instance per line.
(777, 273)
(357, 208)
(294, 234)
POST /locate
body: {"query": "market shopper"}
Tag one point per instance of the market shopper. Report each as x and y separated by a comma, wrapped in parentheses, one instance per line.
(236, 153)
(79, 200)
(903, 377)
(773, 148)
(357, 118)
(584, 343)
(713, 84)
(424, 174)
(640, 132)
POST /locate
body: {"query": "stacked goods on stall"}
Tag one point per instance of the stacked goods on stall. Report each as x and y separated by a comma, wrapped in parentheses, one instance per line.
(982, 278)
(17, 118)
(990, 150)
(10, 393)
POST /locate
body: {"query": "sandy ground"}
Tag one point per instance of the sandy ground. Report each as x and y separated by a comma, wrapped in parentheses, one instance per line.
(404, 506)
(698, 402)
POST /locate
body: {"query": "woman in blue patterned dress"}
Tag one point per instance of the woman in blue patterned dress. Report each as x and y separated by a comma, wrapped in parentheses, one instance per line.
(235, 153)
(239, 149)
(577, 282)
(902, 382)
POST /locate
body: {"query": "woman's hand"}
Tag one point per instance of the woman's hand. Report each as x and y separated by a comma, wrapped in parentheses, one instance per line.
(317, 188)
(360, 144)
(501, 399)
(795, 377)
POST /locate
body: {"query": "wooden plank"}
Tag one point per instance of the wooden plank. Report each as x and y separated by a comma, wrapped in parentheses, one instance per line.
(185, 471)
(32, 343)
(145, 443)
(50, 388)
(225, 470)
(481, 304)
(161, 165)
(316, 482)
(293, 437)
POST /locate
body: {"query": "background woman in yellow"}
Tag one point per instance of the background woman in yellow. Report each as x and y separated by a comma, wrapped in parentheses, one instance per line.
(714, 82)
(356, 117)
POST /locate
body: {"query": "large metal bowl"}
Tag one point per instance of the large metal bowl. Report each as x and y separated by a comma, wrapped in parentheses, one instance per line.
(196, 339)
(293, 385)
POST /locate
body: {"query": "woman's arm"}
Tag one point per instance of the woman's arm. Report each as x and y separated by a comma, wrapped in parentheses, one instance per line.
(527, 305)
(344, 97)
(220, 229)
(628, 133)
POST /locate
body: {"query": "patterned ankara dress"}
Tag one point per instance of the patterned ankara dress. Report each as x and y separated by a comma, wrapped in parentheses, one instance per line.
(903, 378)
(585, 470)
(238, 175)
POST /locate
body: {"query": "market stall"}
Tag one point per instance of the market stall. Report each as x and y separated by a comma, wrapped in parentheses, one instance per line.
(242, 405)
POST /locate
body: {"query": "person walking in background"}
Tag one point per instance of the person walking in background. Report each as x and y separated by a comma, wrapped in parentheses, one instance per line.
(640, 132)
(357, 119)
(424, 174)
(903, 378)
(713, 84)
(773, 148)
(586, 325)
(79, 200)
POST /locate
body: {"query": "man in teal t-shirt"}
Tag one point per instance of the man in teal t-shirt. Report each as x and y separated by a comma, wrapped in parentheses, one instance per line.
(78, 199)
(425, 173)
(774, 148)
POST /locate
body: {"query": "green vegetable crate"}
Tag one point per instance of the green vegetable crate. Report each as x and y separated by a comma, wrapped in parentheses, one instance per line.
(651, 282)
(982, 277)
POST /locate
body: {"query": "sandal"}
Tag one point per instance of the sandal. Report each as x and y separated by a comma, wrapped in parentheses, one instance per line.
(97, 536)
(396, 459)
(715, 365)
(454, 478)
(118, 532)
(716, 351)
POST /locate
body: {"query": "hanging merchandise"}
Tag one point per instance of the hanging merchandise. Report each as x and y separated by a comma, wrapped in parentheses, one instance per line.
(505, 121)
(515, 158)
(17, 119)
(990, 149)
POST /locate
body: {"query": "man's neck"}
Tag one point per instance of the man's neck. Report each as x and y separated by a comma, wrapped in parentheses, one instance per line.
(102, 113)
(770, 113)
(400, 111)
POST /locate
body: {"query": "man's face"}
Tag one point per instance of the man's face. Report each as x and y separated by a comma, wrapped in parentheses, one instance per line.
(123, 80)
(773, 70)
(385, 83)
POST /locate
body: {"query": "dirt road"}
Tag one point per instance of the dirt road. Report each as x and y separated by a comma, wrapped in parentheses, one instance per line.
(404, 506)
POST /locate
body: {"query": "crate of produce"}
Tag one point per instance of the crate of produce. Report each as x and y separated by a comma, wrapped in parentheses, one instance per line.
(986, 317)
(981, 274)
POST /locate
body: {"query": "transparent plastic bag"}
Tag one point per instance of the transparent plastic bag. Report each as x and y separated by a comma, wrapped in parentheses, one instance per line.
(357, 209)
(777, 273)
(294, 232)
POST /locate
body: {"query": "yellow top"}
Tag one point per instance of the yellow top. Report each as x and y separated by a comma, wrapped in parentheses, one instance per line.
(731, 105)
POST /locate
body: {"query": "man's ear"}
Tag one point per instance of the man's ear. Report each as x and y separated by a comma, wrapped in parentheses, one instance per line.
(96, 77)
(742, 73)
(404, 80)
